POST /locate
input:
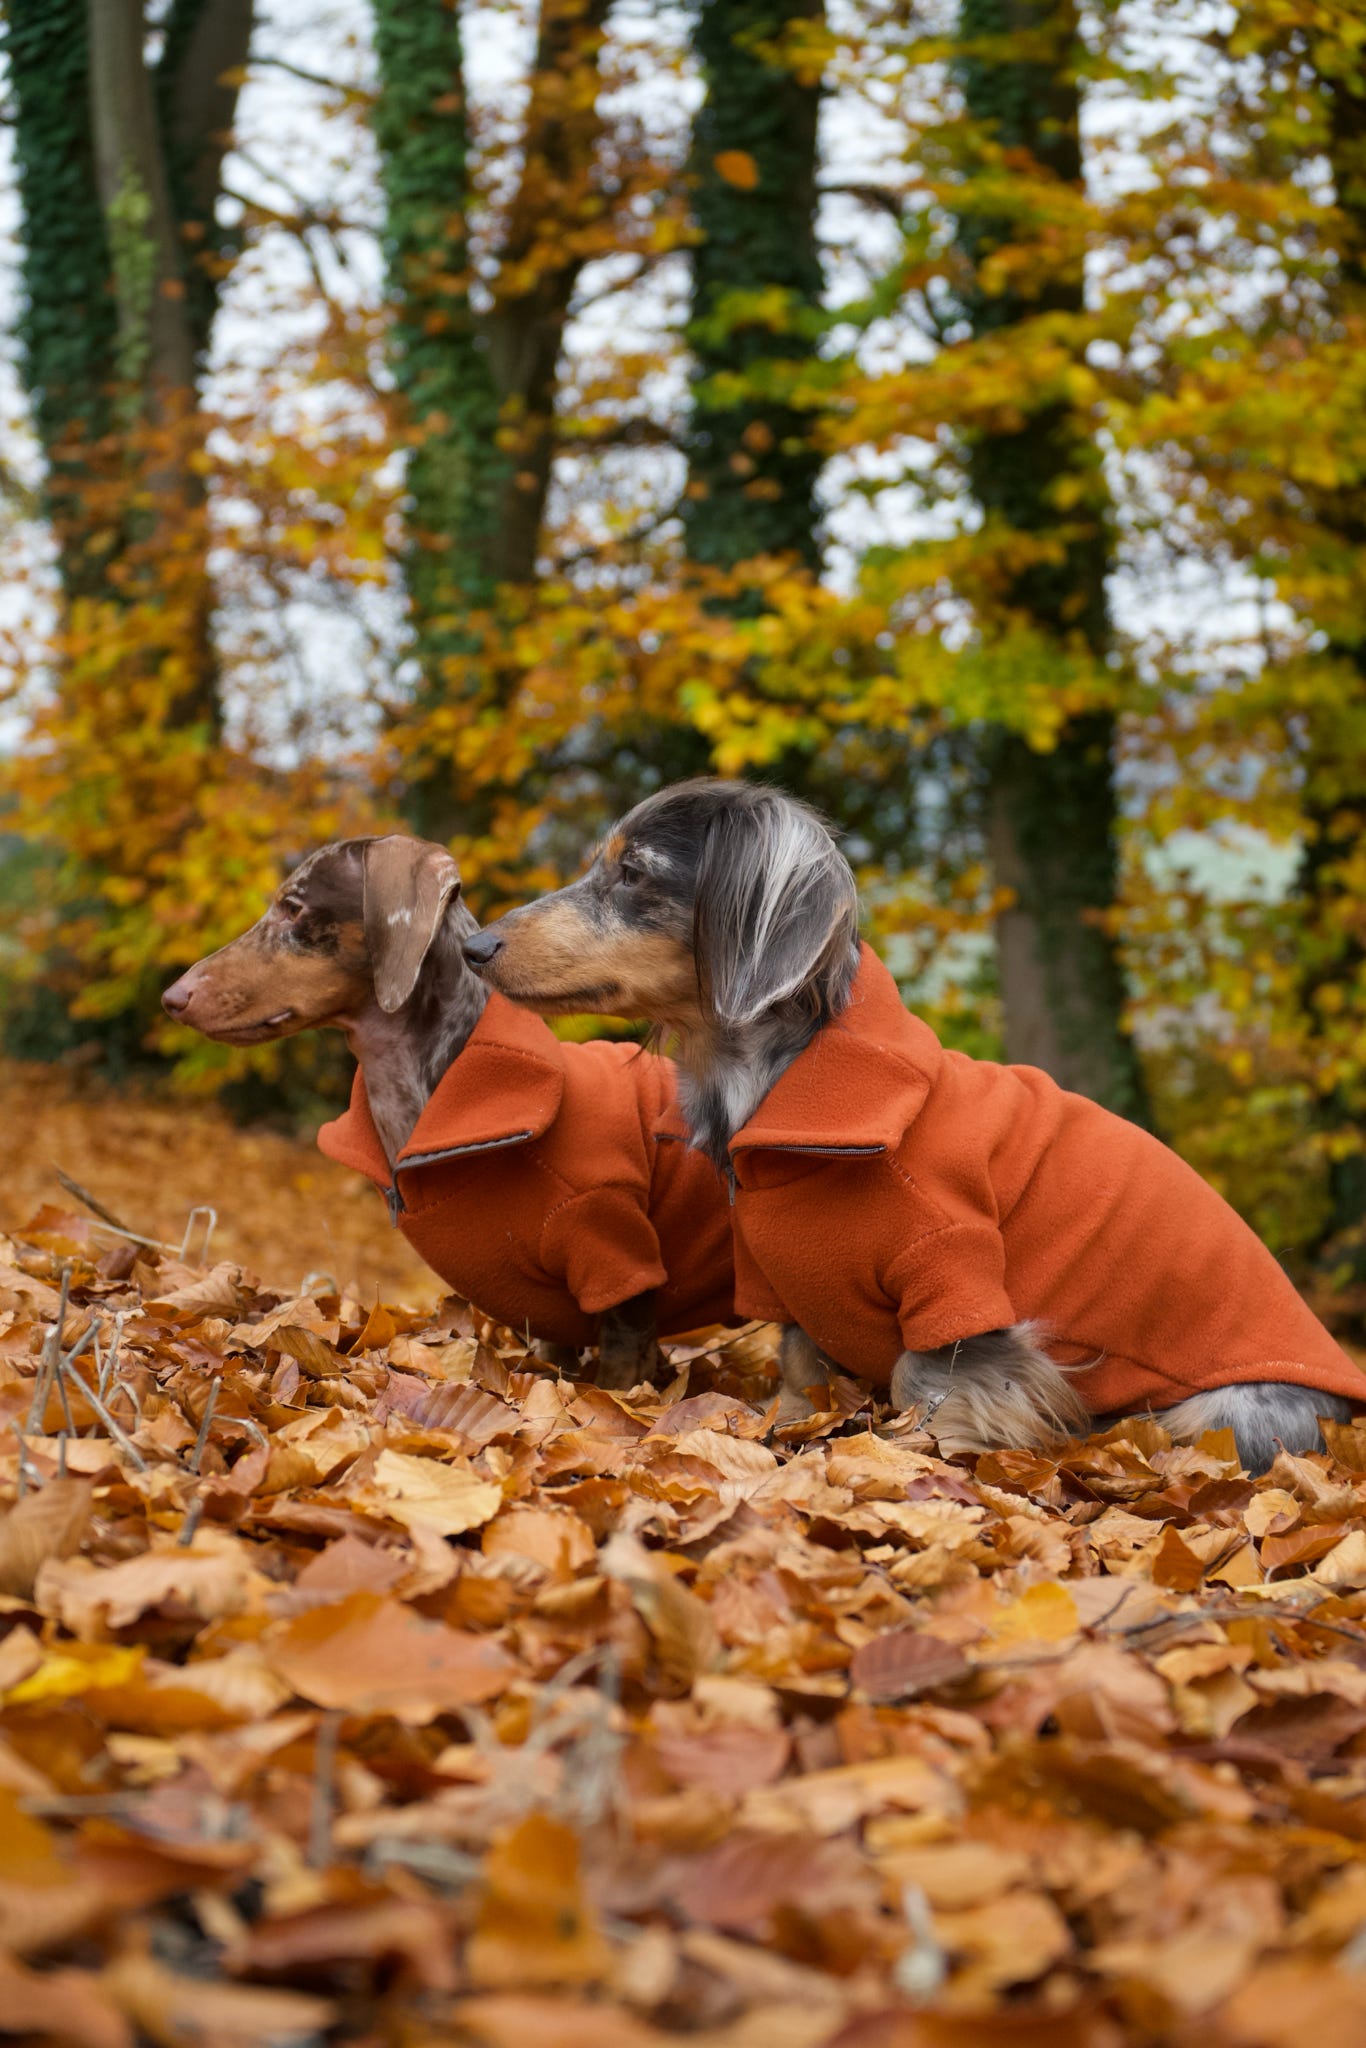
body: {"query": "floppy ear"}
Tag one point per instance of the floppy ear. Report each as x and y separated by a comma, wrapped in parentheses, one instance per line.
(775, 905)
(408, 884)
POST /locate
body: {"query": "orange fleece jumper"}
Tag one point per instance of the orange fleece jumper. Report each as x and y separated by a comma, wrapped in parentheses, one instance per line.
(532, 1185)
(893, 1196)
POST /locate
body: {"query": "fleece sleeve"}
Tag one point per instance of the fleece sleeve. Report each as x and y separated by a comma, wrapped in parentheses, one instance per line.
(950, 1284)
(602, 1246)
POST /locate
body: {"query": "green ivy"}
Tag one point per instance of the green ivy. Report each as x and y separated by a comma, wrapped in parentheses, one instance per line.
(438, 356)
(68, 321)
(756, 288)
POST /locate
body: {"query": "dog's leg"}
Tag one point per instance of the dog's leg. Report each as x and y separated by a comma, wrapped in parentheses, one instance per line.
(562, 1358)
(801, 1364)
(1265, 1416)
(999, 1391)
(627, 1351)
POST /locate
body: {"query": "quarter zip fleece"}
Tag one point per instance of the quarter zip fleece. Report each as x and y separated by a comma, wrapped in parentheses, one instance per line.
(531, 1183)
(890, 1195)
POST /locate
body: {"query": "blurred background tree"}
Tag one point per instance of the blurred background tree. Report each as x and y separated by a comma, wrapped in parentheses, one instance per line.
(476, 414)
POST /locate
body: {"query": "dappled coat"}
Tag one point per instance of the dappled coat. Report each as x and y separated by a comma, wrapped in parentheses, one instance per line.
(532, 1183)
(891, 1195)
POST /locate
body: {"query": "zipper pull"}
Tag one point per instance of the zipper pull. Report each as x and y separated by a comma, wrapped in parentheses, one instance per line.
(395, 1202)
(730, 1183)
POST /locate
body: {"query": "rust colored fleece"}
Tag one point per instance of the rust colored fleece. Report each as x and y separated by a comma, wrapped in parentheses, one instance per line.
(892, 1196)
(533, 1185)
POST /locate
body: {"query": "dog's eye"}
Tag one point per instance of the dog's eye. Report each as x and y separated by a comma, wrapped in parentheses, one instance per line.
(292, 906)
(630, 872)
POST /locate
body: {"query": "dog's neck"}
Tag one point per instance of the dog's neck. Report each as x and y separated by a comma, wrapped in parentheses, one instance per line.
(404, 1055)
(724, 1073)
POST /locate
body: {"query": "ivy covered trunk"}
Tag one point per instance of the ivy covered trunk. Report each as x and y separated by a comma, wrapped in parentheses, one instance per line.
(68, 330)
(119, 164)
(438, 356)
(752, 468)
(479, 386)
(1052, 816)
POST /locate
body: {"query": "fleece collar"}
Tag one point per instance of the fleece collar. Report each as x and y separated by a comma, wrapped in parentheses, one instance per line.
(856, 1087)
(502, 1088)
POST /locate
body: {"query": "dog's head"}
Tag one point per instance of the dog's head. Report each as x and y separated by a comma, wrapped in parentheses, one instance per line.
(708, 906)
(351, 925)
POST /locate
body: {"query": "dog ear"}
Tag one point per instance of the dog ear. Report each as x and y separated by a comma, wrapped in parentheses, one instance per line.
(775, 905)
(408, 885)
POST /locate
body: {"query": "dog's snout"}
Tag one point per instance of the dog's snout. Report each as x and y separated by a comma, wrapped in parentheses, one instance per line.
(480, 949)
(175, 1000)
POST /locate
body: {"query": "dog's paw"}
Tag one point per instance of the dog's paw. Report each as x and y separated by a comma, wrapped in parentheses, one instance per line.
(997, 1391)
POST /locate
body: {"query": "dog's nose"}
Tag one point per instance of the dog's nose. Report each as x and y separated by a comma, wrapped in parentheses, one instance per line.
(176, 999)
(481, 948)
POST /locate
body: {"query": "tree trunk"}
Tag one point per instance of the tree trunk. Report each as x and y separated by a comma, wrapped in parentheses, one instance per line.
(1051, 844)
(156, 354)
(1052, 817)
(752, 469)
(539, 266)
(67, 324)
(479, 389)
(198, 80)
(438, 358)
(1336, 809)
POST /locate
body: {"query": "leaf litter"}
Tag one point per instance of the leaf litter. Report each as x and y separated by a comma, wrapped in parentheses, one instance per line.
(363, 1682)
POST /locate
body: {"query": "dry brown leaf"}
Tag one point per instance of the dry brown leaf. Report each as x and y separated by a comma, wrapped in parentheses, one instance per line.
(71, 2006)
(46, 1524)
(218, 1292)
(680, 1625)
(211, 1578)
(369, 1654)
(177, 2012)
(523, 2020)
(534, 1925)
(905, 1663)
(554, 1537)
(447, 1497)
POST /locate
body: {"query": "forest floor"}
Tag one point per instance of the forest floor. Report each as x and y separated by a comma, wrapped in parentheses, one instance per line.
(363, 1683)
(283, 1209)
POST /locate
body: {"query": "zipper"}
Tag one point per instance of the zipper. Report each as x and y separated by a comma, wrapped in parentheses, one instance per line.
(394, 1195)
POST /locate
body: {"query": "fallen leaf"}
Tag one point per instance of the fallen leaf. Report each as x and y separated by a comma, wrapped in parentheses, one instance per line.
(177, 2012)
(534, 1926)
(370, 1654)
(449, 1498)
(904, 1663)
(46, 1524)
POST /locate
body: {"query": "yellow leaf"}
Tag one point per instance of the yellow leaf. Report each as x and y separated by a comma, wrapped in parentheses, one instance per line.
(1045, 1614)
(74, 1670)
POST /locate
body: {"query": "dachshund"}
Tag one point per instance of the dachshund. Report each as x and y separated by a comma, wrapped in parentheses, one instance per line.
(1012, 1261)
(522, 1169)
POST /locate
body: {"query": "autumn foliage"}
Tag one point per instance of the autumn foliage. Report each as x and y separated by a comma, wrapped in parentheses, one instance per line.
(363, 1679)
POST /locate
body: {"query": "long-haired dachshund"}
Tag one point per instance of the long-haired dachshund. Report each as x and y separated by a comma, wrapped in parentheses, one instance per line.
(524, 1171)
(1010, 1259)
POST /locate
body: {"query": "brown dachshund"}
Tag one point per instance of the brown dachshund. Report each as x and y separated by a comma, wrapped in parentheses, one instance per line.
(525, 1171)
